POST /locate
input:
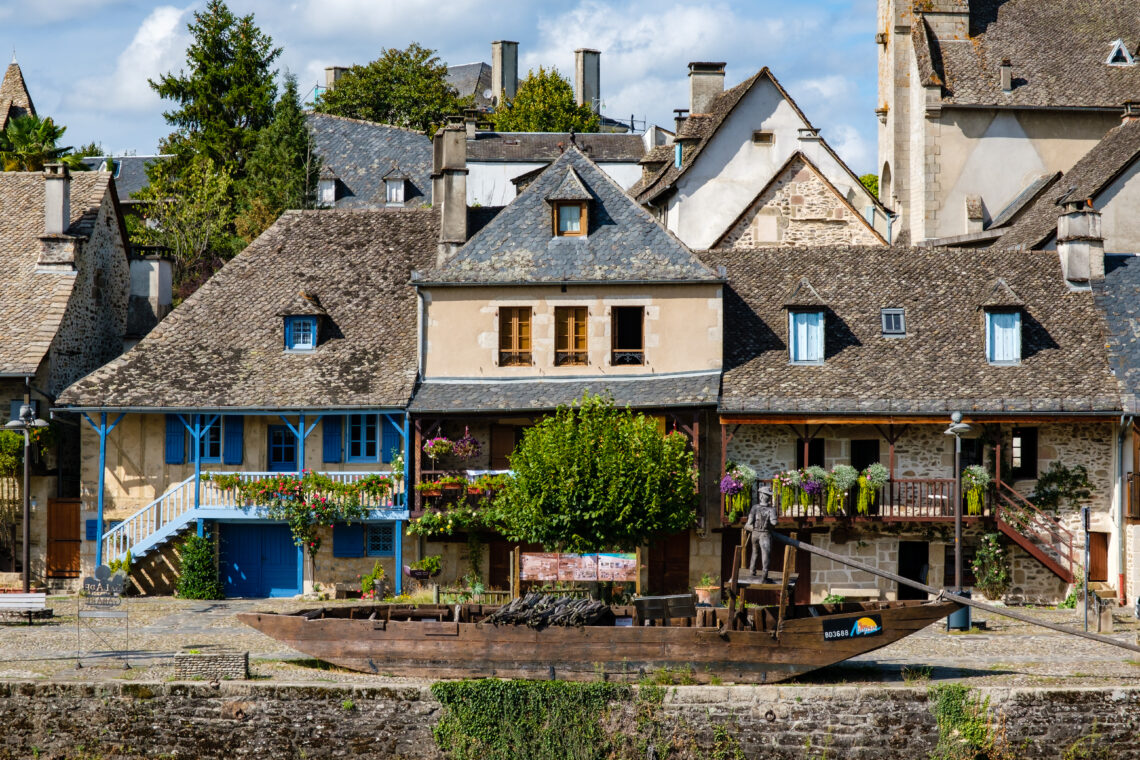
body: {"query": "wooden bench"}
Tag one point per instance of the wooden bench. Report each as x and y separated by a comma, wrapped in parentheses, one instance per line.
(20, 605)
(856, 593)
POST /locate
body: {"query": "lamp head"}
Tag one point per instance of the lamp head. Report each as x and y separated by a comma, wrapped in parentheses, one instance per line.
(955, 417)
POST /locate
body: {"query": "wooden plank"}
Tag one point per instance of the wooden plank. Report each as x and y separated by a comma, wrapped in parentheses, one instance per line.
(786, 575)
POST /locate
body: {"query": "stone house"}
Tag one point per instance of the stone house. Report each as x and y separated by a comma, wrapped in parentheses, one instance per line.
(965, 87)
(857, 355)
(298, 354)
(742, 165)
(571, 288)
(64, 291)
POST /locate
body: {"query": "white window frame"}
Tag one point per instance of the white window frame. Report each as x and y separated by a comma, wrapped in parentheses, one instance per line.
(892, 312)
(1003, 349)
(806, 340)
(394, 191)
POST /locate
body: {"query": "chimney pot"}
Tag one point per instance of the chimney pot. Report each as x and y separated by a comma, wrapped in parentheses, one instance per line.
(1080, 242)
(57, 199)
(471, 122)
(504, 70)
(706, 81)
(1006, 75)
(1131, 110)
(587, 78)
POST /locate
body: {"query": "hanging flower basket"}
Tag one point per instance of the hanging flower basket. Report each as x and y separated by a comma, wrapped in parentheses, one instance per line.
(438, 446)
(466, 447)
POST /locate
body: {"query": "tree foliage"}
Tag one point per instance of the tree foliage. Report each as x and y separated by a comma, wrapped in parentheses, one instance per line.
(225, 95)
(198, 572)
(403, 88)
(871, 182)
(1062, 486)
(28, 142)
(283, 169)
(545, 103)
(593, 477)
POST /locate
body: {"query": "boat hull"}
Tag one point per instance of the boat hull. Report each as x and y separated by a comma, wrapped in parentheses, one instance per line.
(440, 650)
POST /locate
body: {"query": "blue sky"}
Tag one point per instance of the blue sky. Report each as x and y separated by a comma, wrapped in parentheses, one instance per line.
(87, 61)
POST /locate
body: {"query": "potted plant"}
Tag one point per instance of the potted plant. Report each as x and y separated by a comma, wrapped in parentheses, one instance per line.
(708, 590)
(839, 481)
(730, 487)
(425, 568)
(452, 483)
(975, 480)
(870, 481)
(429, 488)
(786, 485)
(812, 481)
(466, 447)
(437, 447)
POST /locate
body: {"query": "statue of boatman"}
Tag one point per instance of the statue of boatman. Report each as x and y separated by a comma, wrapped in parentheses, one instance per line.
(761, 519)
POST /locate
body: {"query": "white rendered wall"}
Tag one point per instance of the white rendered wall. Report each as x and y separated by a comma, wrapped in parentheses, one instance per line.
(1119, 206)
(489, 182)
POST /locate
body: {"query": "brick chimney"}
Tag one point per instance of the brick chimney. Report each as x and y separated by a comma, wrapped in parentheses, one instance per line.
(706, 81)
(587, 78)
(1080, 243)
(57, 199)
(504, 70)
(1006, 75)
(449, 188)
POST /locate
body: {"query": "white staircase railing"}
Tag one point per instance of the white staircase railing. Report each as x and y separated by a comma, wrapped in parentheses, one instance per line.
(151, 519)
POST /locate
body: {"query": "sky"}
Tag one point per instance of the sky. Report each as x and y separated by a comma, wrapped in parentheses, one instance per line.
(86, 62)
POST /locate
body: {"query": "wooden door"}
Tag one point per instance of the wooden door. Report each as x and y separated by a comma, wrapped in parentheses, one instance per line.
(669, 564)
(1098, 557)
(63, 538)
(504, 438)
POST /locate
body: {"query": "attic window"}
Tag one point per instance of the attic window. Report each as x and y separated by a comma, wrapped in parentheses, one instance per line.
(1120, 56)
(300, 333)
(894, 322)
(326, 192)
(1003, 337)
(394, 189)
(570, 219)
(805, 337)
(761, 137)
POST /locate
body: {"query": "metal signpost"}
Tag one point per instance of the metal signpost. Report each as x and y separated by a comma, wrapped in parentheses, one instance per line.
(101, 599)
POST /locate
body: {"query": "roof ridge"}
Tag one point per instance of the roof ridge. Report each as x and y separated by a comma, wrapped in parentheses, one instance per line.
(364, 122)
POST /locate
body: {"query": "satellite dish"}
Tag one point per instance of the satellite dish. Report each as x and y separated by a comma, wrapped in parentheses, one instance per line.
(487, 93)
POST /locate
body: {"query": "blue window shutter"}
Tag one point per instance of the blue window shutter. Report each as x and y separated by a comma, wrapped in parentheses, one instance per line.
(234, 440)
(331, 433)
(175, 440)
(348, 540)
(389, 439)
(288, 332)
(92, 526)
(14, 413)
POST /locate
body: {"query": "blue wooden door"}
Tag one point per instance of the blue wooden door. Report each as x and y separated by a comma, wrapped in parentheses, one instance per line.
(282, 449)
(259, 560)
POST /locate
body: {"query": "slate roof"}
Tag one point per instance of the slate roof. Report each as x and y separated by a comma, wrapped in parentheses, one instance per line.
(14, 97)
(471, 80)
(623, 242)
(32, 303)
(129, 172)
(359, 153)
(1058, 51)
(539, 395)
(1116, 151)
(223, 347)
(601, 147)
(1118, 297)
(940, 366)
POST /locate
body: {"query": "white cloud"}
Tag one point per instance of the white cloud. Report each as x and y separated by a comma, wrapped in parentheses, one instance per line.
(833, 86)
(158, 47)
(852, 147)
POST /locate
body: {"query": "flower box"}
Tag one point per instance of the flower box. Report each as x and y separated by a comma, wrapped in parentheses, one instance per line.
(474, 491)
(431, 491)
(452, 486)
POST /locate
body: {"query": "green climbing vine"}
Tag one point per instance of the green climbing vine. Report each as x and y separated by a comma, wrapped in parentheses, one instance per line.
(965, 728)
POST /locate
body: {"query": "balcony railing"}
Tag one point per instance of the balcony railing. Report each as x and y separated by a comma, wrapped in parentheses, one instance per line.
(902, 499)
(226, 498)
(422, 502)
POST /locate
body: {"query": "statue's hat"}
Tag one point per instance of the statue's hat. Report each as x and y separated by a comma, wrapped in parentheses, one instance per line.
(766, 490)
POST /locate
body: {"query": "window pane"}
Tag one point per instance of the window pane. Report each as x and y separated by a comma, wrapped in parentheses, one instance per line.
(514, 336)
(304, 332)
(807, 336)
(570, 335)
(211, 441)
(628, 334)
(569, 218)
(362, 443)
(381, 540)
(1004, 336)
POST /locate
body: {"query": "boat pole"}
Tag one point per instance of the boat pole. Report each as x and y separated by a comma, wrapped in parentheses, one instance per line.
(942, 593)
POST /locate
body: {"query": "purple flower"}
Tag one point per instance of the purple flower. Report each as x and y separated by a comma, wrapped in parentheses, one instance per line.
(811, 486)
(730, 486)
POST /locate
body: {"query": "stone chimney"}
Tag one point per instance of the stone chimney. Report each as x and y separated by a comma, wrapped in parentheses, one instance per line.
(706, 81)
(1080, 243)
(1131, 110)
(975, 216)
(1006, 75)
(151, 290)
(470, 122)
(332, 74)
(449, 188)
(57, 199)
(588, 78)
(504, 70)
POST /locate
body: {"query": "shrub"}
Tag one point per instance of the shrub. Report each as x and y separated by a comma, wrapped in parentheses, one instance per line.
(991, 567)
(1062, 486)
(198, 578)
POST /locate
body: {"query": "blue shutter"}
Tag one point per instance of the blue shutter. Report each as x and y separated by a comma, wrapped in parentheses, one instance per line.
(234, 441)
(288, 332)
(92, 527)
(175, 440)
(1003, 333)
(390, 439)
(331, 433)
(348, 540)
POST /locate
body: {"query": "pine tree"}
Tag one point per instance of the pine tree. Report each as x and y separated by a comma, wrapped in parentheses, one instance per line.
(545, 103)
(283, 169)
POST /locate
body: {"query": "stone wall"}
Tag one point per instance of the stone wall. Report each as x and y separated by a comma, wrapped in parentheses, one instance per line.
(211, 666)
(236, 719)
(799, 207)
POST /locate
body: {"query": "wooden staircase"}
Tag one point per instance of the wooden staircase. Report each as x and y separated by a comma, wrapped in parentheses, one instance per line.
(1042, 536)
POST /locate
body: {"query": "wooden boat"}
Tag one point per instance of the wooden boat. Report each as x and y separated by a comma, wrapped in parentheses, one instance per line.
(452, 641)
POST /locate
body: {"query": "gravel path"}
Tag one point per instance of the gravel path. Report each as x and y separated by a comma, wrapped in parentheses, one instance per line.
(1006, 653)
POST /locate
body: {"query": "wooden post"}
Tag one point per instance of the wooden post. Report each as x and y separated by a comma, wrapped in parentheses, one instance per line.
(518, 576)
(733, 589)
(511, 584)
(789, 567)
(637, 577)
(412, 469)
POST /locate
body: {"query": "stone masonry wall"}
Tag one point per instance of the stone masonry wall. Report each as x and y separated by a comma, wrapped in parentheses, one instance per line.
(242, 719)
(799, 207)
(214, 666)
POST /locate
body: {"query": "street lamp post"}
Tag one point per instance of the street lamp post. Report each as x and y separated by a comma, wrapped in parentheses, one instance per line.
(956, 429)
(25, 422)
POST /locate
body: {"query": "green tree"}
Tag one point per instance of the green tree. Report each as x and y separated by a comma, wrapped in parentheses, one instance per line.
(871, 182)
(198, 570)
(225, 95)
(593, 477)
(90, 149)
(187, 212)
(282, 172)
(403, 88)
(545, 103)
(28, 142)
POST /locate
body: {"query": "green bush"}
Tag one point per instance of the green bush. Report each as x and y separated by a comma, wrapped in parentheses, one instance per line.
(198, 578)
(1062, 486)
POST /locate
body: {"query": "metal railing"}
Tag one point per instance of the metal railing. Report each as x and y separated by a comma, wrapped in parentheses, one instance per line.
(901, 499)
(216, 497)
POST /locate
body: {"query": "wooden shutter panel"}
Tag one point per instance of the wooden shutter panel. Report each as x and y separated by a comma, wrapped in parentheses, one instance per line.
(234, 441)
(288, 332)
(348, 540)
(332, 445)
(175, 440)
(390, 438)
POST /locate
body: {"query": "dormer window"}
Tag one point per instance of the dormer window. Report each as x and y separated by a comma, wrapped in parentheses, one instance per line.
(395, 183)
(569, 203)
(1003, 337)
(805, 337)
(571, 219)
(300, 333)
(894, 323)
(326, 192)
(1120, 55)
